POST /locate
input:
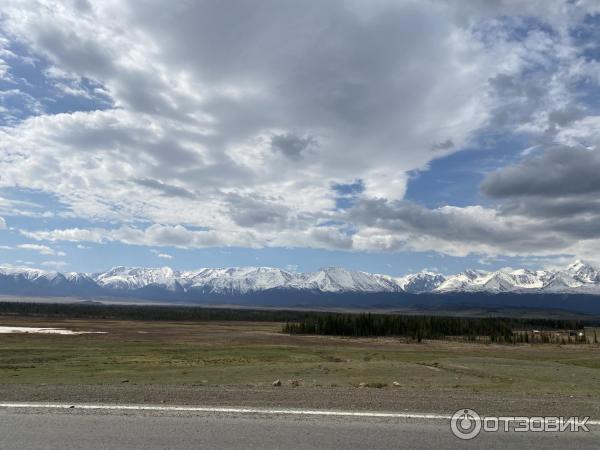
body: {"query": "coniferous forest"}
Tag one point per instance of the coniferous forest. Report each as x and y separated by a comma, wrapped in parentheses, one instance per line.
(415, 327)
(427, 327)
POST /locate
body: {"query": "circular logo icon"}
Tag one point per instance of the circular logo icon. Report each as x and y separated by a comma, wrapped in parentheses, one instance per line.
(465, 424)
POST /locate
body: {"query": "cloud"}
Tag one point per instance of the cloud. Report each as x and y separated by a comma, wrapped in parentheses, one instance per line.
(555, 172)
(209, 140)
(249, 211)
(330, 237)
(388, 225)
(291, 145)
(555, 186)
(42, 249)
(161, 255)
(70, 234)
(347, 194)
(55, 264)
(548, 205)
(154, 235)
(2, 223)
(166, 189)
(201, 122)
(445, 145)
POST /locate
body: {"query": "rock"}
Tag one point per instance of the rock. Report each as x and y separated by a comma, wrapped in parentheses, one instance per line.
(295, 383)
(362, 385)
(396, 384)
(124, 381)
(277, 383)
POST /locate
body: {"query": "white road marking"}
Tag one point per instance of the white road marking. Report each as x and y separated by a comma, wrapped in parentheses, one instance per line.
(301, 412)
(305, 412)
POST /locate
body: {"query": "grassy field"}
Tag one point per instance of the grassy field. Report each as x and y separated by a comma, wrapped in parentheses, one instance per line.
(255, 354)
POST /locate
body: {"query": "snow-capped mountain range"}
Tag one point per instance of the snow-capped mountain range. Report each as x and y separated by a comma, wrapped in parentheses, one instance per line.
(579, 278)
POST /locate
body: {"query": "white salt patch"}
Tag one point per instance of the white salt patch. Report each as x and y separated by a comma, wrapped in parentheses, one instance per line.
(5, 330)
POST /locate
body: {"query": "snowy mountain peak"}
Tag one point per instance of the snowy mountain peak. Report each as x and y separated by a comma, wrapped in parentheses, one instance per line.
(137, 278)
(583, 272)
(424, 281)
(578, 277)
(336, 279)
(577, 264)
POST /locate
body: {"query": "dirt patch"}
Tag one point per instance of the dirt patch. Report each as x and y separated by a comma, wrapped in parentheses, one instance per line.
(371, 399)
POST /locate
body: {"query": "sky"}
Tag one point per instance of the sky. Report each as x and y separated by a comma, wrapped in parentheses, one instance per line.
(384, 136)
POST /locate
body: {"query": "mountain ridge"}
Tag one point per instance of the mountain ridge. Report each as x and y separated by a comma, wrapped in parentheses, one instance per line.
(577, 278)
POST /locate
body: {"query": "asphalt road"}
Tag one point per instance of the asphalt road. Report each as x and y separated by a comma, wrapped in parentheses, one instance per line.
(80, 429)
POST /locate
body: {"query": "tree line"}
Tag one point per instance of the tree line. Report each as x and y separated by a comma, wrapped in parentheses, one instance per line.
(308, 322)
(422, 327)
(97, 310)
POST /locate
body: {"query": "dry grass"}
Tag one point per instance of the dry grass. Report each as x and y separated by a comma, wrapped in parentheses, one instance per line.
(254, 354)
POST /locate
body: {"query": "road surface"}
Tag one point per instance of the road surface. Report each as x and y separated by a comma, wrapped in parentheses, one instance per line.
(47, 428)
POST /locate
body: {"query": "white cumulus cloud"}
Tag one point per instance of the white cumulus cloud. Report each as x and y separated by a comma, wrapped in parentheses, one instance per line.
(228, 123)
(42, 249)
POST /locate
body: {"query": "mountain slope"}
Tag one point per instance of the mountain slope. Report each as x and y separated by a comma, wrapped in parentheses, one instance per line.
(577, 278)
